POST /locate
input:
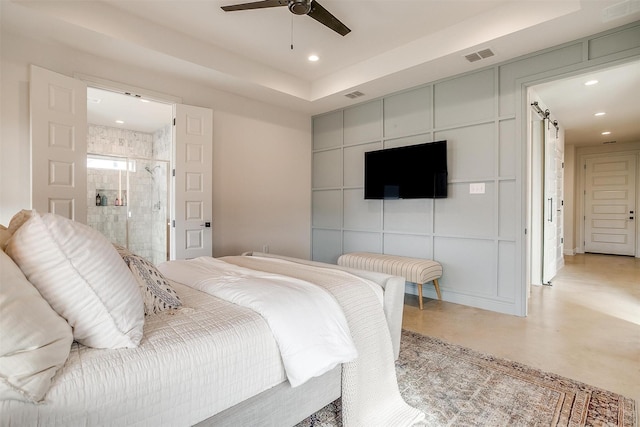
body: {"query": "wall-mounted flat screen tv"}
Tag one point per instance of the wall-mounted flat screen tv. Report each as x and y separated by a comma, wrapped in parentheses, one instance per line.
(410, 172)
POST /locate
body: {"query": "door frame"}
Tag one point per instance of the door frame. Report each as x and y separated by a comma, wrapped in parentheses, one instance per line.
(581, 188)
(535, 141)
(523, 152)
(126, 89)
(100, 83)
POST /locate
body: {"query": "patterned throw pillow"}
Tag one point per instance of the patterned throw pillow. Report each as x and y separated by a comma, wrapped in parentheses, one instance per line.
(157, 293)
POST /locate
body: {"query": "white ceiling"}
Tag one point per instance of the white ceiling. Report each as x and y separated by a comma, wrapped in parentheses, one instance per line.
(574, 105)
(106, 107)
(393, 45)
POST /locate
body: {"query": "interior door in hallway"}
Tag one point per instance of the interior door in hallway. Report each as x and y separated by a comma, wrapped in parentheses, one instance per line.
(610, 198)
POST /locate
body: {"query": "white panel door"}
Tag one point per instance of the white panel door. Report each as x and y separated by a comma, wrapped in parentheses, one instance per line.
(610, 211)
(551, 203)
(58, 144)
(559, 206)
(537, 200)
(192, 232)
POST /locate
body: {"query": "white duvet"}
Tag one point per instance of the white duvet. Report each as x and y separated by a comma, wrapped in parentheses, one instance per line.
(306, 321)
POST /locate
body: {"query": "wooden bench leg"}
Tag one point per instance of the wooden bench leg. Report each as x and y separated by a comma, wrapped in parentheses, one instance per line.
(437, 286)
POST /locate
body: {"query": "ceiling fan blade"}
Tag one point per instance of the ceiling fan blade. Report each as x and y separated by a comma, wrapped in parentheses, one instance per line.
(255, 5)
(323, 16)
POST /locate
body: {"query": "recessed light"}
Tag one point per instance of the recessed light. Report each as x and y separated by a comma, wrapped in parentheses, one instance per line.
(120, 122)
(313, 58)
(591, 83)
(601, 113)
(144, 100)
(606, 133)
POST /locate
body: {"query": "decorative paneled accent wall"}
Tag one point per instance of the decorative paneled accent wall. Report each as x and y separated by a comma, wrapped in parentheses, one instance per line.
(467, 233)
(478, 238)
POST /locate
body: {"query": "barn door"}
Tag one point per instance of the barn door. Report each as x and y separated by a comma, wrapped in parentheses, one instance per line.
(192, 229)
(553, 201)
(58, 144)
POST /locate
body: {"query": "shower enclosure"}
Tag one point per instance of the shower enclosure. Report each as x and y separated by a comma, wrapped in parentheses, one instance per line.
(128, 188)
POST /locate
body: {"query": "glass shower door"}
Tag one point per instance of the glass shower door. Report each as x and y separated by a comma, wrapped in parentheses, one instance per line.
(147, 210)
(131, 203)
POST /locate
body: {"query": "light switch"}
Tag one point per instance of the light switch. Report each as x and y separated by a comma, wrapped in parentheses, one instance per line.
(476, 188)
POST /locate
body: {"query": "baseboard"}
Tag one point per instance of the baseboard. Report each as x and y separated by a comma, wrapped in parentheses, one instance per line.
(570, 252)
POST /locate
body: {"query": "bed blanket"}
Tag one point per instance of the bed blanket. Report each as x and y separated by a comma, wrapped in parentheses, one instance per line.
(370, 395)
(192, 363)
(307, 323)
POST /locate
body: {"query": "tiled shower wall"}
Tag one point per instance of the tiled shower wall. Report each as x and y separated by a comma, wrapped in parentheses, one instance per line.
(141, 225)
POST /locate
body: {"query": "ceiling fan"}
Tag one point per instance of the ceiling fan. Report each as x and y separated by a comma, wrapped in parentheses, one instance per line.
(310, 8)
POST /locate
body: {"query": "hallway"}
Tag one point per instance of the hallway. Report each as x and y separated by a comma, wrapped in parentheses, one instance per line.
(585, 327)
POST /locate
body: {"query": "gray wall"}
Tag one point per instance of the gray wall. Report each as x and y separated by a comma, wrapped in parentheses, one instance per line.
(478, 238)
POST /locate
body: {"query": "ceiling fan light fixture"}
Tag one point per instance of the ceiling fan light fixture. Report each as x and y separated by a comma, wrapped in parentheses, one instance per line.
(299, 7)
(311, 8)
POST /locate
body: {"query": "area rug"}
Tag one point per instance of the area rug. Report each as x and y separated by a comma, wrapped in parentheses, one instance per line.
(456, 386)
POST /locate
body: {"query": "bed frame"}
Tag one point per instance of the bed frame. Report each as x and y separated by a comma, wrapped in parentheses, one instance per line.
(283, 405)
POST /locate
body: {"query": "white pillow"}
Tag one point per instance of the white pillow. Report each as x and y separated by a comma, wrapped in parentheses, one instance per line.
(20, 218)
(16, 222)
(35, 341)
(81, 275)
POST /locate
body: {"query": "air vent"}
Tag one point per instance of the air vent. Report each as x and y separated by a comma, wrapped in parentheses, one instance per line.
(486, 53)
(481, 54)
(620, 10)
(353, 95)
(610, 142)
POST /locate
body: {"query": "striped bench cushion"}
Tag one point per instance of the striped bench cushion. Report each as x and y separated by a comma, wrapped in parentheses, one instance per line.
(414, 270)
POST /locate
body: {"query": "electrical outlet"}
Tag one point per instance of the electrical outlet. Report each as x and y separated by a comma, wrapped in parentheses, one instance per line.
(476, 188)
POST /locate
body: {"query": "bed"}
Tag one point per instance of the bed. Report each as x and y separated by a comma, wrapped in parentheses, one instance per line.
(184, 358)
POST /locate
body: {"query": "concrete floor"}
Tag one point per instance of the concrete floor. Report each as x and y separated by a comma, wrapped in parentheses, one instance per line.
(585, 327)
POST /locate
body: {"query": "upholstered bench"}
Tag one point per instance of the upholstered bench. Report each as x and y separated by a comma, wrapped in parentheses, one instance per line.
(416, 270)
